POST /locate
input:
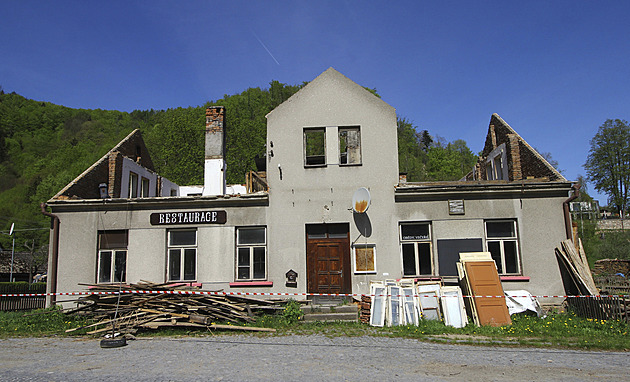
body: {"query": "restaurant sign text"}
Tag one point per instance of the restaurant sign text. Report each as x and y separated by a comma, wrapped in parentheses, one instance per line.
(189, 217)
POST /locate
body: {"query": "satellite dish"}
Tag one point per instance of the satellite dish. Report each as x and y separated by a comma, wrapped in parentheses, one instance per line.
(11, 231)
(361, 200)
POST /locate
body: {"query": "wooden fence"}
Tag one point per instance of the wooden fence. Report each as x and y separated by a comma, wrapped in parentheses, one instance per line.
(601, 308)
(22, 303)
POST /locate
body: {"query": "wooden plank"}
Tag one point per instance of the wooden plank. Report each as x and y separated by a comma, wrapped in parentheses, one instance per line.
(245, 328)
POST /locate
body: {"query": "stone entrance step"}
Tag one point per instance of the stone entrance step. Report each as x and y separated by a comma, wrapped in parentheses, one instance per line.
(349, 313)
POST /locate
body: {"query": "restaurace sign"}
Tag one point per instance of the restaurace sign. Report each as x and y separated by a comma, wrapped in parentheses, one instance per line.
(189, 217)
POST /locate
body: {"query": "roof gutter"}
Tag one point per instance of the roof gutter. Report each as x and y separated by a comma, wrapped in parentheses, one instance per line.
(567, 212)
(51, 284)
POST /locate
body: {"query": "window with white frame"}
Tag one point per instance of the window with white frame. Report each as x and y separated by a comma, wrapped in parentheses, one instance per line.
(415, 244)
(112, 256)
(502, 243)
(144, 188)
(133, 185)
(314, 147)
(364, 258)
(496, 164)
(349, 145)
(182, 255)
(251, 253)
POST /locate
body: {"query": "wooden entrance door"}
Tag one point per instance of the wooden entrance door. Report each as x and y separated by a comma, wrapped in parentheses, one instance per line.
(328, 259)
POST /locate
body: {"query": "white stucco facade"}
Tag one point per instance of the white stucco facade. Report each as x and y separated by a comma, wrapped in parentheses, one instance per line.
(323, 143)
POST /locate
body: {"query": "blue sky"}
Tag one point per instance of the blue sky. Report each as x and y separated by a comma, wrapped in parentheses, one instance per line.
(554, 70)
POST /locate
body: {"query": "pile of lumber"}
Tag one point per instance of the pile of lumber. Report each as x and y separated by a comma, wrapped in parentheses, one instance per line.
(576, 274)
(123, 312)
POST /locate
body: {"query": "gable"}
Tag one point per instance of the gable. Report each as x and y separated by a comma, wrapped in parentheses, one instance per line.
(86, 185)
(518, 160)
(329, 93)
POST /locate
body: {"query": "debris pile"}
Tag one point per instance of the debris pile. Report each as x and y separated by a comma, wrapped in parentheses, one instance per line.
(479, 296)
(125, 312)
(576, 274)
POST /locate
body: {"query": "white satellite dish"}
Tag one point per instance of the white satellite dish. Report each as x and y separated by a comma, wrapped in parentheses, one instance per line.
(11, 231)
(361, 200)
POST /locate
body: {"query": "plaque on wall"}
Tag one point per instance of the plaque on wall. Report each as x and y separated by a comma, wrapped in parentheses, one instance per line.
(189, 217)
(456, 207)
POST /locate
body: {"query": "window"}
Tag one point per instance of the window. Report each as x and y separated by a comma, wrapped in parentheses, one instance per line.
(133, 185)
(112, 256)
(415, 243)
(502, 243)
(349, 146)
(496, 165)
(251, 253)
(315, 147)
(144, 188)
(364, 258)
(182, 255)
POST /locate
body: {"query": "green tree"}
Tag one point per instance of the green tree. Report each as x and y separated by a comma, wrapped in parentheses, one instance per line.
(608, 163)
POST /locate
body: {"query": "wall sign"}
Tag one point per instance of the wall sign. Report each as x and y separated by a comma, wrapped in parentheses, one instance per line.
(189, 217)
(456, 207)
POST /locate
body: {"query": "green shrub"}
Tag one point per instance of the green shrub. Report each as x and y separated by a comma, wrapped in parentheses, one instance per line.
(292, 312)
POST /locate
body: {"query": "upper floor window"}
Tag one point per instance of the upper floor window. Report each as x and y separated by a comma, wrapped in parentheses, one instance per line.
(251, 253)
(112, 256)
(415, 243)
(182, 255)
(502, 243)
(133, 185)
(349, 145)
(144, 188)
(315, 147)
(496, 164)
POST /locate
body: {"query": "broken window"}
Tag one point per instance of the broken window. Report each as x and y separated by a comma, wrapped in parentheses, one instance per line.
(182, 255)
(315, 147)
(364, 258)
(133, 185)
(502, 243)
(349, 145)
(251, 253)
(112, 256)
(415, 242)
(496, 164)
(144, 188)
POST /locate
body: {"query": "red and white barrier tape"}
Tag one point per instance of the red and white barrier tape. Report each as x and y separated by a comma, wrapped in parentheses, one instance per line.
(190, 292)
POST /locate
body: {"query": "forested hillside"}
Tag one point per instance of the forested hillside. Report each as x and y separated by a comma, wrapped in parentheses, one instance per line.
(45, 146)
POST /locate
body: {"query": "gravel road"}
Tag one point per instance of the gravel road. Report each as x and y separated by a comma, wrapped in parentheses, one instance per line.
(297, 358)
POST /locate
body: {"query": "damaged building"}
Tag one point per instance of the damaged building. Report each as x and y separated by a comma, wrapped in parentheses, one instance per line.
(294, 228)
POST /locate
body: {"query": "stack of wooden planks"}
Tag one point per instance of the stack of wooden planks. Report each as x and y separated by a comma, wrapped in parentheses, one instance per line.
(127, 312)
(574, 269)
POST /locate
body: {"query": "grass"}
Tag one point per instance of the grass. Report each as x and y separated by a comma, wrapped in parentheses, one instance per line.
(38, 323)
(564, 330)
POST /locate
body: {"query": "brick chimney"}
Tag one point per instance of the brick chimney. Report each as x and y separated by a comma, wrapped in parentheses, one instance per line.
(214, 168)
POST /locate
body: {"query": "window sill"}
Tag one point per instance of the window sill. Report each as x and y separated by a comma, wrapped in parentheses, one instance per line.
(427, 278)
(514, 278)
(251, 284)
(183, 283)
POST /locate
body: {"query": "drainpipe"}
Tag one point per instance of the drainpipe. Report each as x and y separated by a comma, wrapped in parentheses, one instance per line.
(52, 263)
(567, 212)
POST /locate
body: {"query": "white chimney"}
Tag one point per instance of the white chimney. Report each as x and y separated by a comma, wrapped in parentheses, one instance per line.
(214, 168)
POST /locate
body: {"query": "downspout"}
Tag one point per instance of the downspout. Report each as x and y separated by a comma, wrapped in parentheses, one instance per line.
(567, 212)
(52, 263)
